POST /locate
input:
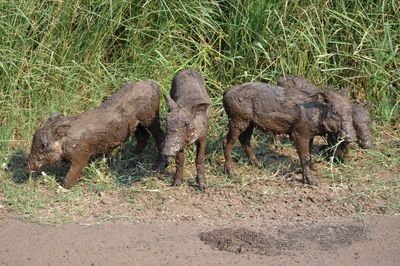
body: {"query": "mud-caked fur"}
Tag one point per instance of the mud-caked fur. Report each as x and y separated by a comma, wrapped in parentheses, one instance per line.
(362, 124)
(133, 109)
(283, 111)
(187, 122)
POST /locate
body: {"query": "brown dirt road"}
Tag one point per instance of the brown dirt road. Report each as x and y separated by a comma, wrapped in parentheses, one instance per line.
(331, 241)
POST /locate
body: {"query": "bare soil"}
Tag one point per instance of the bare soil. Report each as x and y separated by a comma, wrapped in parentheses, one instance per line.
(367, 241)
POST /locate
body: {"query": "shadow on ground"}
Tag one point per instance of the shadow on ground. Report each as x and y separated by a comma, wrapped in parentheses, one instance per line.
(281, 159)
(128, 167)
(17, 166)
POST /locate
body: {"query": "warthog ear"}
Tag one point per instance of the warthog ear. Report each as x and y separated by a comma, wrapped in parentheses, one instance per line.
(201, 107)
(344, 91)
(54, 117)
(62, 130)
(321, 97)
(171, 103)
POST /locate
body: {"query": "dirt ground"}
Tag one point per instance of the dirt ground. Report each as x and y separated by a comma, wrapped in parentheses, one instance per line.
(262, 217)
(329, 241)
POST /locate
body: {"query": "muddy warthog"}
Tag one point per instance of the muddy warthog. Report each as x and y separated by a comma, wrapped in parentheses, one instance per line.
(132, 109)
(187, 122)
(360, 115)
(362, 124)
(280, 110)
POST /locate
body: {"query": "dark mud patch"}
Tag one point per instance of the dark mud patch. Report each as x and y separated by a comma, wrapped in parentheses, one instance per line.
(283, 240)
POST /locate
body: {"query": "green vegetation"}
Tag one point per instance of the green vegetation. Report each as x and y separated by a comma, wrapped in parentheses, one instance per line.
(68, 56)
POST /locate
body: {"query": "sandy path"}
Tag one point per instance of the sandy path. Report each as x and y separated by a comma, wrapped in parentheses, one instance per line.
(373, 241)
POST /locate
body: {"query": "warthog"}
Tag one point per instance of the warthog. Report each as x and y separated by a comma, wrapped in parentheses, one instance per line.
(131, 110)
(280, 110)
(187, 122)
(360, 115)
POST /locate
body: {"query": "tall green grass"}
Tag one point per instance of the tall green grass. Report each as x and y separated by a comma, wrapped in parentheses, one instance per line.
(69, 55)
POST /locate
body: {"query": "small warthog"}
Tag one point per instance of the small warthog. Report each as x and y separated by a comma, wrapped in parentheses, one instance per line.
(280, 110)
(360, 115)
(187, 122)
(362, 124)
(132, 109)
